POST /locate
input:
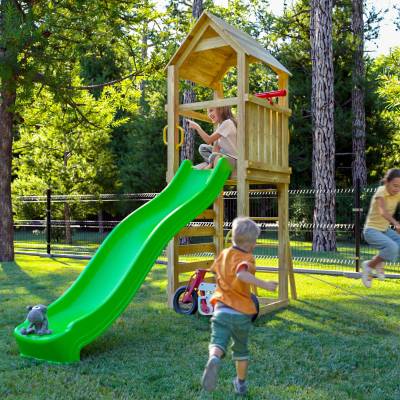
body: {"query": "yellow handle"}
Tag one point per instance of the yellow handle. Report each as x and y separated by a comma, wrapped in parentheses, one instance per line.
(228, 237)
(182, 139)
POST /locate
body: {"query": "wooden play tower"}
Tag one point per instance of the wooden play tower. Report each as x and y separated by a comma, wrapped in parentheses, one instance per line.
(209, 51)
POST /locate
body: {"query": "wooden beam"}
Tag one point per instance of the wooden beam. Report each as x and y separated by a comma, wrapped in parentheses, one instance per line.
(211, 43)
(267, 167)
(283, 237)
(259, 176)
(192, 266)
(206, 214)
(219, 224)
(243, 205)
(272, 306)
(197, 231)
(194, 41)
(195, 115)
(172, 271)
(196, 248)
(265, 103)
(201, 105)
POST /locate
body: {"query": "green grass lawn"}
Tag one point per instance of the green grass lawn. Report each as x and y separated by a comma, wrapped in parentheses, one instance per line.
(338, 341)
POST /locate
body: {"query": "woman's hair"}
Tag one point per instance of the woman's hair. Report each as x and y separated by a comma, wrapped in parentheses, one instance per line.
(225, 113)
(391, 174)
(244, 231)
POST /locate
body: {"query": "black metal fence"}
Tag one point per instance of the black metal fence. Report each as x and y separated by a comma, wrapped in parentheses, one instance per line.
(76, 225)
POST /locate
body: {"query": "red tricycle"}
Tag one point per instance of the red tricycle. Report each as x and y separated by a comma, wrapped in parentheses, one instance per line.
(196, 295)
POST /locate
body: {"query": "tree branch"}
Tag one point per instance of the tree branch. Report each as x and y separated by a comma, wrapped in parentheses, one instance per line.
(100, 85)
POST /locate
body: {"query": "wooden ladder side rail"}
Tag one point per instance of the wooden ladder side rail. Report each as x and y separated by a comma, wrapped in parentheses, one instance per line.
(292, 280)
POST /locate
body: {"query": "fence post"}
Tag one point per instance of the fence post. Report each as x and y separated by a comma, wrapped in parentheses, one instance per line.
(48, 221)
(357, 222)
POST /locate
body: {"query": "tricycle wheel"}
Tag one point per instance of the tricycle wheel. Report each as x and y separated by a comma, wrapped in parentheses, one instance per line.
(181, 307)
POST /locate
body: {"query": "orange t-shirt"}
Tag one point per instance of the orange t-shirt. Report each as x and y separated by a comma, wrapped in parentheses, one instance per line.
(231, 290)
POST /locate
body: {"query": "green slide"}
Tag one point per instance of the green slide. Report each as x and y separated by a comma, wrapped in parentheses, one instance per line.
(115, 273)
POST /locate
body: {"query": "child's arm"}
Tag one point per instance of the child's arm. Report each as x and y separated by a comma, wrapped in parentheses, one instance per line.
(385, 214)
(209, 139)
(247, 277)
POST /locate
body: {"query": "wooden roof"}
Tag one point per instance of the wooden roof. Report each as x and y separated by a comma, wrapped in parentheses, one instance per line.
(210, 50)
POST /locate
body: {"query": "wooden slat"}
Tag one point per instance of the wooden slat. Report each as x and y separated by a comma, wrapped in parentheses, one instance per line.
(266, 167)
(264, 218)
(196, 248)
(211, 43)
(192, 266)
(206, 214)
(197, 231)
(259, 176)
(195, 115)
(272, 306)
(279, 141)
(261, 130)
(274, 139)
(209, 279)
(201, 105)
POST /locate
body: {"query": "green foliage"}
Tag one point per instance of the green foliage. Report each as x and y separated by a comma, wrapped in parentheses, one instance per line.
(292, 48)
(61, 149)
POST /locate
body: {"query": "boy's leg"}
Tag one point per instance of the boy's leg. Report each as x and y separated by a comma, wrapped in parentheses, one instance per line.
(220, 335)
(240, 336)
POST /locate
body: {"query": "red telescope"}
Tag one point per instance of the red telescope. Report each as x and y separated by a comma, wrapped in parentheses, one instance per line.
(271, 94)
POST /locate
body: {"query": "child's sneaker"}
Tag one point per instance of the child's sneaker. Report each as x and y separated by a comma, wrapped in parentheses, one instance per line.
(240, 388)
(210, 374)
(380, 272)
(366, 274)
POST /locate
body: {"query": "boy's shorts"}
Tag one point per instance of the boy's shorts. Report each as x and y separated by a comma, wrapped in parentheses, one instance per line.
(236, 326)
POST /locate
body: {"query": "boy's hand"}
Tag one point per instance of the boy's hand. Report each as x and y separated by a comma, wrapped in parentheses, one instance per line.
(270, 285)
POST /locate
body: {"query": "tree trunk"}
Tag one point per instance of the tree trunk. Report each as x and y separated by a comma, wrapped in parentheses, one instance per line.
(187, 149)
(359, 166)
(322, 104)
(7, 102)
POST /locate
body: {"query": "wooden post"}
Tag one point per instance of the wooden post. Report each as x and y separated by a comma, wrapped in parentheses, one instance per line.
(243, 206)
(283, 83)
(172, 167)
(172, 269)
(292, 280)
(283, 238)
(173, 120)
(219, 224)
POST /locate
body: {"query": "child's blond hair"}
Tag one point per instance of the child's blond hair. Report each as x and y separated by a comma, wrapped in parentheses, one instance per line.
(244, 231)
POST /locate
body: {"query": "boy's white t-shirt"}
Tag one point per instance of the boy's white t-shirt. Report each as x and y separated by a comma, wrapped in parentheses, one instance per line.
(228, 139)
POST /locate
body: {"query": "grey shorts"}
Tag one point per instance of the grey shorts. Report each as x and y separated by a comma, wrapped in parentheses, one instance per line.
(225, 326)
(206, 152)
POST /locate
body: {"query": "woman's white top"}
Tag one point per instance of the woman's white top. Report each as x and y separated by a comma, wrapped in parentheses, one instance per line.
(228, 139)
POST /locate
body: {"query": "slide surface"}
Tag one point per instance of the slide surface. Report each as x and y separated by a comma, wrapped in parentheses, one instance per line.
(115, 273)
